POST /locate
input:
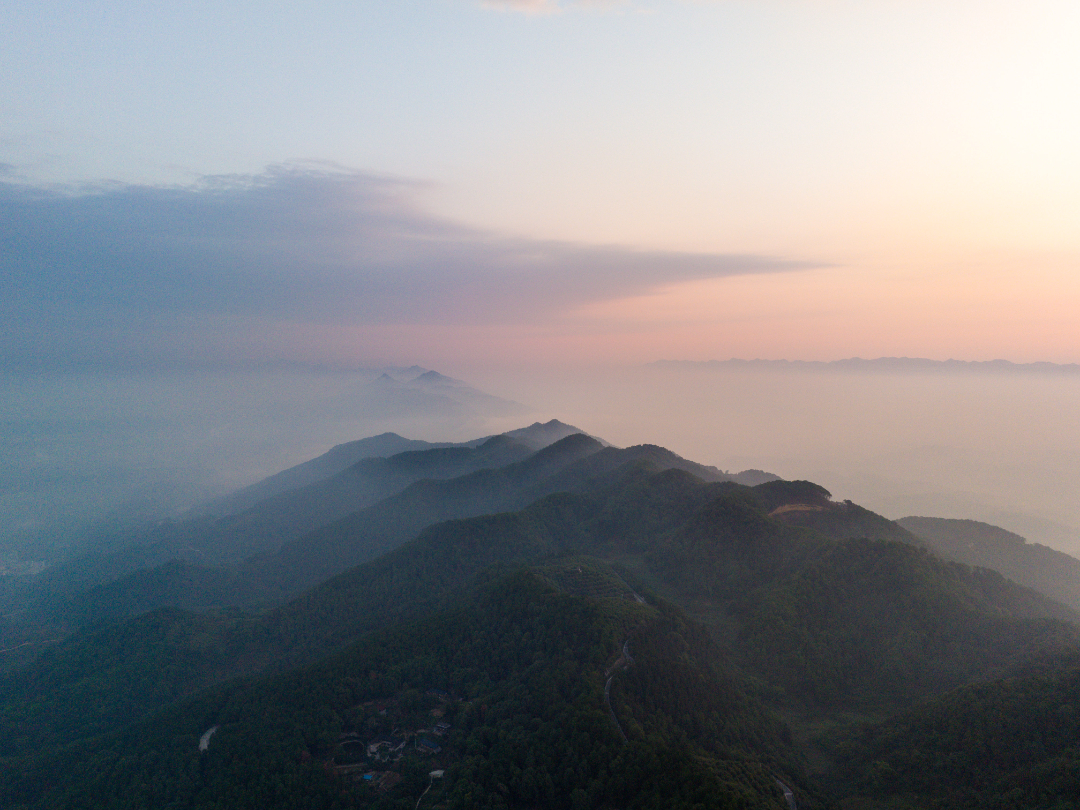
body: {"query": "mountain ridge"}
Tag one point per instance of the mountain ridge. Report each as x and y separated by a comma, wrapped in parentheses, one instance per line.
(976, 543)
(649, 613)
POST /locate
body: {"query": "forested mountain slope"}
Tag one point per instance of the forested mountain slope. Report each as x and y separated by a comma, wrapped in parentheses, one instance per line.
(335, 460)
(821, 621)
(516, 669)
(499, 483)
(974, 543)
(707, 603)
(1007, 743)
(226, 541)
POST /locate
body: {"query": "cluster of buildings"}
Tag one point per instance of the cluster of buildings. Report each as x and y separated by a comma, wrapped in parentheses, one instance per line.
(391, 748)
(387, 749)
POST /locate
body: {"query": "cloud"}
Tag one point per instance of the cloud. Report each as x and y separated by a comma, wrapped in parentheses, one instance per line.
(96, 271)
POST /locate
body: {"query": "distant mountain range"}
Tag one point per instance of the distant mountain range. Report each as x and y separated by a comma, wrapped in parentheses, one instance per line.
(343, 456)
(418, 392)
(314, 520)
(539, 619)
(880, 364)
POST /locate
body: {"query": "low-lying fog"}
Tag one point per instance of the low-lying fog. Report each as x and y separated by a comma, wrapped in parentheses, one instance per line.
(1001, 448)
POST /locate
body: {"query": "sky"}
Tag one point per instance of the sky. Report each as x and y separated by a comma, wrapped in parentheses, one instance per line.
(468, 184)
(204, 206)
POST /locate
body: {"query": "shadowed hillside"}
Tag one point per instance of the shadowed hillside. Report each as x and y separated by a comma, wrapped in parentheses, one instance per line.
(974, 543)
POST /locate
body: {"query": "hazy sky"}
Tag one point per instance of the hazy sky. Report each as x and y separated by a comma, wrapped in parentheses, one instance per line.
(454, 182)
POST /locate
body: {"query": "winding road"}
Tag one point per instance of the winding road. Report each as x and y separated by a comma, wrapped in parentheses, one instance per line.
(204, 740)
(25, 643)
(788, 795)
(624, 662)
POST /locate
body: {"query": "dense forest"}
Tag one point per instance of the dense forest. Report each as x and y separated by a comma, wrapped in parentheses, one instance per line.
(574, 626)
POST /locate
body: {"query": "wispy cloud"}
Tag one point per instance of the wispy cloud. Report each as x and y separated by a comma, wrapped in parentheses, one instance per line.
(95, 270)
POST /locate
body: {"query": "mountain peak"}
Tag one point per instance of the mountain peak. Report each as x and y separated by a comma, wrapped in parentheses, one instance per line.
(541, 434)
(435, 378)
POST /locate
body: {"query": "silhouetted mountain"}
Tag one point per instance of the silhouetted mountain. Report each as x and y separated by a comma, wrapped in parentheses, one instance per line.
(575, 463)
(341, 487)
(453, 482)
(545, 622)
(338, 458)
(433, 378)
(431, 394)
(751, 478)
(342, 456)
(974, 543)
(379, 528)
(290, 515)
(539, 435)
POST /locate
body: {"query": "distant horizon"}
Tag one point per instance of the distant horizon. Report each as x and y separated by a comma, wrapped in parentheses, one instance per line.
(855, 362)
(886, 362)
